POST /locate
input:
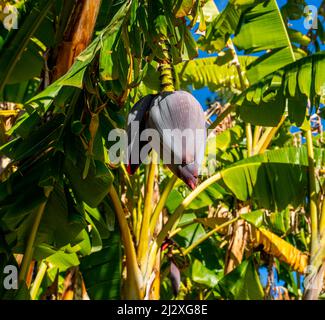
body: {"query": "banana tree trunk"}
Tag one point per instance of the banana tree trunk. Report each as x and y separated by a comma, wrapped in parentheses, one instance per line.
(77, 36)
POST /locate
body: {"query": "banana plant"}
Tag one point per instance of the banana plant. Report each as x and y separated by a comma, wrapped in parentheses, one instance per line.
(94, 231)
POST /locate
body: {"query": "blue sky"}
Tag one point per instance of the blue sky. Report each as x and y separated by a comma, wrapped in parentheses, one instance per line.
(204, 93)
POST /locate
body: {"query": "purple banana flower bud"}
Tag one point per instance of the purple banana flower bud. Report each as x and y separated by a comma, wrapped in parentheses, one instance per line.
(175, 278)
(136, 124)
(179, 120)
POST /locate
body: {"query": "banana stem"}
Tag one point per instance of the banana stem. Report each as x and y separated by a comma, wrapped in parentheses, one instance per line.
(208, 235)
(28, 255)
(267, 137)
(3, 137)
(256, 137)
(312, 193)
(134, 277)
(126, 176)
(134, 223)
(139, 219)
(145, 228)
(249, 139)
(322, 219)
(162, 201)
(166, 70)
(262, 141)
(38, 280)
